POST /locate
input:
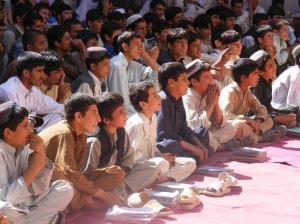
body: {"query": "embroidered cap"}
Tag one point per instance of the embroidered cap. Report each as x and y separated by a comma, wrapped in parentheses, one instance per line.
(193, 67)
(132, 19)
(296, 51)
(96, 53)
(5, 111)
(259, 57)
(37, 121)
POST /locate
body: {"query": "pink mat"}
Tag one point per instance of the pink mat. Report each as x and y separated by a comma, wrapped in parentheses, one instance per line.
(267, 193)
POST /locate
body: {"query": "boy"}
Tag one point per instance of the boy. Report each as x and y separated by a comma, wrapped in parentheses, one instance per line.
(92, 83)
(109, 30)
(202, 108)
(236, 99)
(110, 145)
(171, 119)
(263, 89)
(142, 131)
(27, 194)
(125, 71)
(23, 89)
(65, 145)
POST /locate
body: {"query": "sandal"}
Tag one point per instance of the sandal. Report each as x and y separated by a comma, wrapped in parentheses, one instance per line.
(159, 209)
(221, 185)
(138, 200)
(188, 199)
(268, 136)
(281, 129)
(232, 144)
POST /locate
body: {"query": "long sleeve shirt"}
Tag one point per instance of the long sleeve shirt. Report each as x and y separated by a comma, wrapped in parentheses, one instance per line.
(286, 88)
(123, 75)
(142, 133)
(13, 189)
(66, 150)
(281, 56)
(194, 105)
(236, 103)
(171, 120)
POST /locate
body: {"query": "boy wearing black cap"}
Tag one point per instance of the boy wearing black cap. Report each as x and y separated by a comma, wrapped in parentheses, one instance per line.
(27, 195)
(92, 83)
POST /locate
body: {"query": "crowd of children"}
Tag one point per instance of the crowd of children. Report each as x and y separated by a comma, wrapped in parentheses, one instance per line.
(101, 99)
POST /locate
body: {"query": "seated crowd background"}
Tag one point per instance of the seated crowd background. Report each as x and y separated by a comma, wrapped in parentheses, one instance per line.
(101, 99)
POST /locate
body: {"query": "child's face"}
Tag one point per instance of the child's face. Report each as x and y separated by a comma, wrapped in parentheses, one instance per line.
(215, 20)
(267, 40)
(91, 43)
(102, 68)
(162, 36)
(283, 32)
(22, 133)
(229, 23)
(39, 44)
(252, 79)
(89, 121)
(134, 50)
(179, 48)
(118, 117)
(141, 28)
(194, 49)
(180, 86)
(154, 101)
(204, 32)
(55, 77)
(36, 77)
(270, 69)
(236, 47)
(205, 80)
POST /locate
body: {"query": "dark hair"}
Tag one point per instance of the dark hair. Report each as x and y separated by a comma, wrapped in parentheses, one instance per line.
(213, 11)
(133, 25)
(243, 66)
(20, 11)
(107, 103)
(115, 16)
(275, 11)
(204, 67)
(176, 34)
(139, 93)
(159, 26)
(202, 21)
(217, 35)
(155, 3)
(126, 37)
(61, 7)
(262, 31)
(279, 23)
(108, 28)
(2, 24)
(53, 62)
(170, 70)
(86, 35)
(258, 17)
(15, 118)
(263, 64)
(41, 5)
(276, 2)
(89, 61)
(230, 36)
(78, 102)
(94, 14)
(171, 12)
(29, 37)
(297, 32)
(69, 22)
(192, 37)
(234, 2)
(226, 13)
(150, 17)
(55, 33)
(28, 60)
(30, 19)
(184, 24)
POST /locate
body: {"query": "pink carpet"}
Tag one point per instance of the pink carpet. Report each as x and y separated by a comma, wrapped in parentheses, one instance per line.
(267, 192)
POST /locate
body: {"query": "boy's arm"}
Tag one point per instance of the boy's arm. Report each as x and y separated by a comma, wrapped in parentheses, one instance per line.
(254, 104)
(149, 60)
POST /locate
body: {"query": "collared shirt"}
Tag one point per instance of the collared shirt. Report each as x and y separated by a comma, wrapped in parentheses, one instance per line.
(33, 100)
(286, 88)
(236, 103)
(13, 189)
(243, 21)
(194, 105)
(52, 92)
(85, 87)
(171, 120)
(166, 56)
(123, 75)
(281, 56)
(142, 133)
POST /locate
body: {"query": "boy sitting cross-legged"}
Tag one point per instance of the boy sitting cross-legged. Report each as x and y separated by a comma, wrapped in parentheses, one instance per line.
(27, 194)
(65, 146)
(236, 100)
(171, 119)
(110, 145)
(142, 131)
(202, 108)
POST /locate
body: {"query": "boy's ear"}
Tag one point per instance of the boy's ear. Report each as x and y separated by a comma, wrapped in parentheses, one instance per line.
(142, 104)
(25, 73)
(259, 40)
(169, 46)
(106, 37)
(56, 43)
(105, 120)
(92, 67)
(194, 81)
(171, 82)
(124, 47)
(7, 133)
(77, 116)
(243, 77)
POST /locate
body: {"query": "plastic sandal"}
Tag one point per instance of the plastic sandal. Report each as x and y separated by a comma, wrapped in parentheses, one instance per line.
(188, 199)
(138, 200)
(221, 185)
(158, 208)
